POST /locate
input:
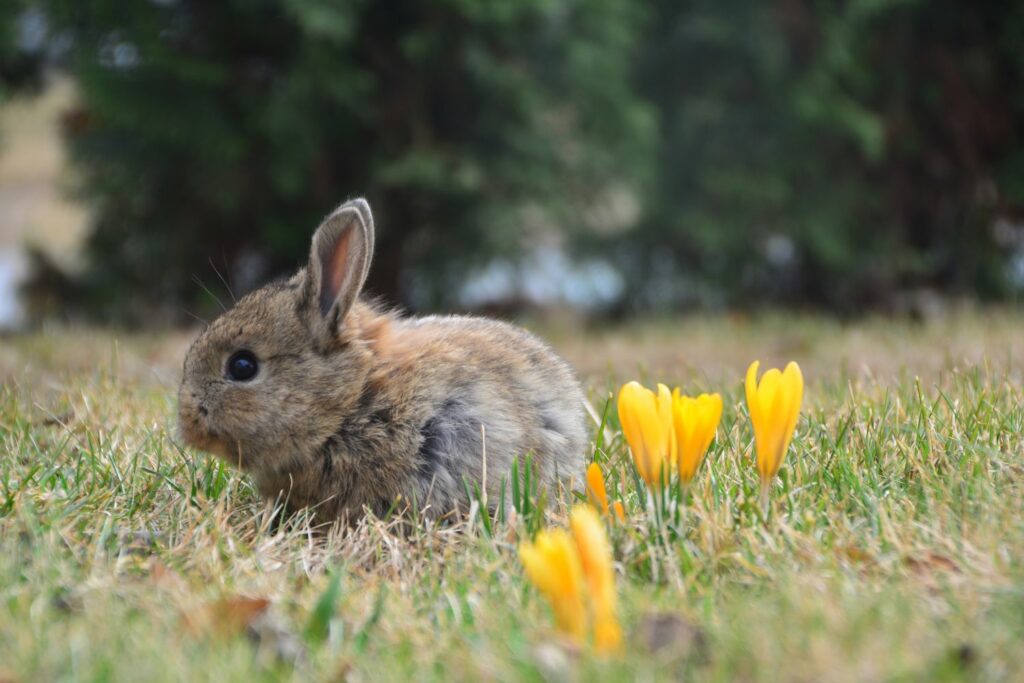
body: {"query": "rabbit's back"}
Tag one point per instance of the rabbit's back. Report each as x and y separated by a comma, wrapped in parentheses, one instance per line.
(495, 386)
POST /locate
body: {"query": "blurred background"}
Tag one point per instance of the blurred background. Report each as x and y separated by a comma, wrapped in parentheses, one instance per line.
(605, 158)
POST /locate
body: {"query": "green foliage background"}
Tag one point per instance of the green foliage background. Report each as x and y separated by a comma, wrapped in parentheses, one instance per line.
(883, 138)
(795, 151)
(20, 68)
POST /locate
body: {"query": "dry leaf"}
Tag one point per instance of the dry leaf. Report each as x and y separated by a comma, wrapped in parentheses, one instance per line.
(164, 576)
(225, 618)
(932, 563)
(854, 554)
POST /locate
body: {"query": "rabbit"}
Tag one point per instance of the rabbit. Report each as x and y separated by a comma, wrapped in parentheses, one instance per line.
(330, 402)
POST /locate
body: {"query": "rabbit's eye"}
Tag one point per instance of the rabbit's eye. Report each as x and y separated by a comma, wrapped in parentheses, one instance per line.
(242, 366)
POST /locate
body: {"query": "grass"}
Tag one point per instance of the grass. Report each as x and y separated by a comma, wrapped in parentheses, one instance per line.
(893, 550)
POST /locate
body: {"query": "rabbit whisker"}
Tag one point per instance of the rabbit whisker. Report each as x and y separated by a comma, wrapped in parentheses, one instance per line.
(227, 286)
(198, 281)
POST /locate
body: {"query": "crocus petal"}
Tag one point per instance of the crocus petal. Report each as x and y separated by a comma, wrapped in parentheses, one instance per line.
(607, 635)
(630, 396)
(772, 406)
(708, 415)
(713, 417)
(620, 511)
(684, 417)
(553, 565)
(654, 442)
(695, 421)
(644, 431)
(753, 403)
(596, 560)
(628, 417)
(595, 487)
(794, 381)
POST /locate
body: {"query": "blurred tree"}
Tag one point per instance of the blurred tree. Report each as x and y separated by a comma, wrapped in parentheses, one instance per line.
(223, 131)
(823, 152)
(21, 61)
(828, 151)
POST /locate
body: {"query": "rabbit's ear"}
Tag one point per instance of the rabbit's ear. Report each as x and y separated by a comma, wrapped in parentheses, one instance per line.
(339, 261)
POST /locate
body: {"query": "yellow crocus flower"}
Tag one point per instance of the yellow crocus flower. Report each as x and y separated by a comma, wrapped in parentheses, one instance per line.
(620, 511)
(596, 491)
(695, 421)
(575, 573)
(552, 564)
(646, 420)
(774, 406)
(596, 559)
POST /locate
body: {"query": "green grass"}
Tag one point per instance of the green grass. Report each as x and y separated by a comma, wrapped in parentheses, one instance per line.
(893, 551)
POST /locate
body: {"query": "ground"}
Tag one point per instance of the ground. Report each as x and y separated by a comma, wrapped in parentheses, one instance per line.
(893, 549)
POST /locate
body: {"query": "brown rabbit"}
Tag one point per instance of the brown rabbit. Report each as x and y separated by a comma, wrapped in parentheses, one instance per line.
(332, 403)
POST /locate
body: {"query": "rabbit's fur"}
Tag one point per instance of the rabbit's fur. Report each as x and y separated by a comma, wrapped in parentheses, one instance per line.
(354, 407)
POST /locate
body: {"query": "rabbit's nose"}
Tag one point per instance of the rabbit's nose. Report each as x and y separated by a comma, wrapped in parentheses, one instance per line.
(192, 404)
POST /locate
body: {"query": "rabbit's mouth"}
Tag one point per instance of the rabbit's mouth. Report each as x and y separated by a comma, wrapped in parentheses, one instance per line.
(197, 435)
(211, 442)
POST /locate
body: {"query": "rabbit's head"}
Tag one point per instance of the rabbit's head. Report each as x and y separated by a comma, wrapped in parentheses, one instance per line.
(265, 382)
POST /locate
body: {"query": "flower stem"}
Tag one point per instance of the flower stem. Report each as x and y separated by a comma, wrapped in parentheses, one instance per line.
(766, 485)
